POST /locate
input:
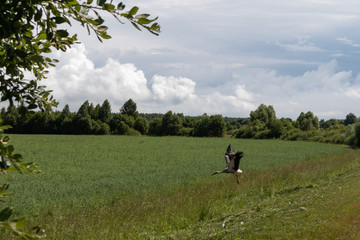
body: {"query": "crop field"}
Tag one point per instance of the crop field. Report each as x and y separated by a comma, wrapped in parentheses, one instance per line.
(93, 187)
(93, 169)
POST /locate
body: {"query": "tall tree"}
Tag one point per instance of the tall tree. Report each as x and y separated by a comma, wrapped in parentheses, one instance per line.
(265, 114)
(170, 124)
(155, 127)
(84, 109)
(66, 111)
(202, 126)
(96, 112)
(141, 125)
(129, 108)
(307, 121)
(216, 126)
(105, 112)
(350, 119)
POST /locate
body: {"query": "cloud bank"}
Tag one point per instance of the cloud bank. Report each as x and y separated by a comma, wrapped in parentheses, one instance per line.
(77, 79)
(222, 57)
(325, 90)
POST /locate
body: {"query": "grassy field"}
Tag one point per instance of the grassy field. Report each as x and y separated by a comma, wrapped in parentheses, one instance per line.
(120, 187)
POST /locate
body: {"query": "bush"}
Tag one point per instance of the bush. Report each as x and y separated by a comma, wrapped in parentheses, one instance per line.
(155, 127)
(186, 131)
(357, 134)
(141, 125)
(133, 132)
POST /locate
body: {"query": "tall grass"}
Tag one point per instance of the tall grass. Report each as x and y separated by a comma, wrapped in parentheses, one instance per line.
(120, 187)
(316, 199)
(93, 170)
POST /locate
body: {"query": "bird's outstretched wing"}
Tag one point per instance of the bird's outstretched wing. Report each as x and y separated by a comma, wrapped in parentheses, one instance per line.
(236, 162)
(227, 160)
(229, 154)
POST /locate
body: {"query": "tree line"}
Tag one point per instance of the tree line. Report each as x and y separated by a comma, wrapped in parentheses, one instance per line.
(99, 119)
(264, 124)
(261, 124)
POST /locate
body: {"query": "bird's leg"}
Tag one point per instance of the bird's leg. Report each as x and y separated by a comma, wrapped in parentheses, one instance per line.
(236, 177)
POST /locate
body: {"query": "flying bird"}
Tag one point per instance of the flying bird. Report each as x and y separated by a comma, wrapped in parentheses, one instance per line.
(232, 163)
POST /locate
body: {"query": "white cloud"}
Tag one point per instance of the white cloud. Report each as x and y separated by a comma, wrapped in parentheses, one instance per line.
(353, 93)
(302, 45)
(173, 90)
(347, 41)
(77, 80)
(331, 114)
(241, 93)
(325, 90)
(228, 105)
(233, 56)
(322, 90)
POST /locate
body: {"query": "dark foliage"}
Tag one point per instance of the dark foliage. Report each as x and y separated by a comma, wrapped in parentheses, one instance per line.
(262, 124)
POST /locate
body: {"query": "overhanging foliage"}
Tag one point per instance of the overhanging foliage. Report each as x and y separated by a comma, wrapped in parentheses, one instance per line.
(31, 29)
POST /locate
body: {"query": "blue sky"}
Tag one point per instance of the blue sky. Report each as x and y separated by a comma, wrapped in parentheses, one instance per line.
(222, 57)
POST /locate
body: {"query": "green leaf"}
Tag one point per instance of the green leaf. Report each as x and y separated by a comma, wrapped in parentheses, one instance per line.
(38, 15)
(73, 2)
(155, 27)
(143, 21)
(77, 8)
(102, 29)
(101, 2)
(120, 6)
(133, 11)
(11, 148)
(5, 214)
(145, 15)
(20, 223)
(4, 195)
(18, 157)
(89, 1)
(108, 6)
(6, 139)
(136, 26)
(42, 36)
(49, 35)
(59, 20)
(62, 33)
(99, 21)
(104, 35)
(4, 188)
(91, 21)
(5, 127)
(32, 106)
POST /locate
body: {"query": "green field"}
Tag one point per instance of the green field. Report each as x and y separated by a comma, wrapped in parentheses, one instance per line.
(103, 187)
(93, 169)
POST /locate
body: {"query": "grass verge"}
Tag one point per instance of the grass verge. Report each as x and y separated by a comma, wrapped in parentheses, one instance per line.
(83, 171)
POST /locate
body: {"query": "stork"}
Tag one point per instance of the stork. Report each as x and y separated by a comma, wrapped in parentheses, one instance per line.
(232, 163)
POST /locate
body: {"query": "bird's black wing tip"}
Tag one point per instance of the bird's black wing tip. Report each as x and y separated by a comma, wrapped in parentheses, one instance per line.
(229, 150)
(239, 154)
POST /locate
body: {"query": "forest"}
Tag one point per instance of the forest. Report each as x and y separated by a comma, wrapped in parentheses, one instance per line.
(261, 124)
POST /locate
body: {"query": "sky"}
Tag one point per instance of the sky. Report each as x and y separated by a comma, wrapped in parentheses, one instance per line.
(221, 57)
